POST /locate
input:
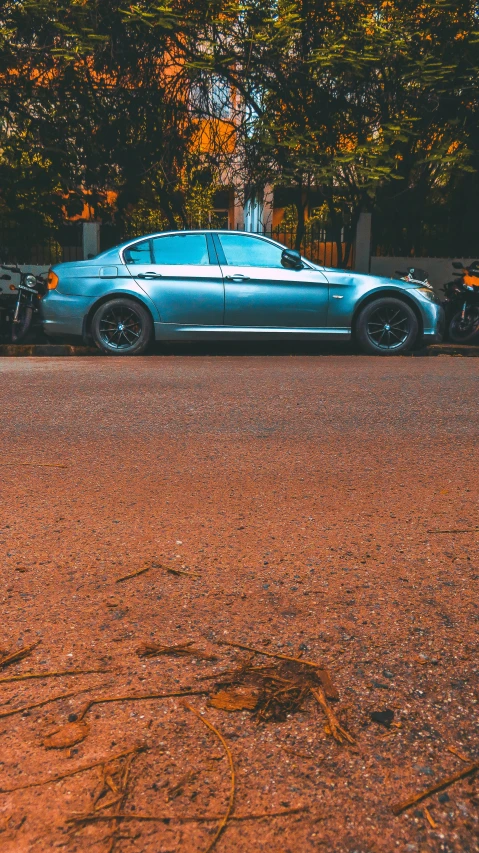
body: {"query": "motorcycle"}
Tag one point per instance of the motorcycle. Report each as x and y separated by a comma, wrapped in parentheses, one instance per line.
(461, 303)
(416, 276)
(20, 309)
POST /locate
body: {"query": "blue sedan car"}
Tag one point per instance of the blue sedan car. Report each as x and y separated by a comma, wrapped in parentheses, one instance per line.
(217, 285)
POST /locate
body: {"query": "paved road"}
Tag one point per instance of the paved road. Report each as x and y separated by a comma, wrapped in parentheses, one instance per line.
(302, 490)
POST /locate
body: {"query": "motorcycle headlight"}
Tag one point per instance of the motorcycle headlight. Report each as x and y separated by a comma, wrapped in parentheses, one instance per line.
(428, 294)
(30, 280)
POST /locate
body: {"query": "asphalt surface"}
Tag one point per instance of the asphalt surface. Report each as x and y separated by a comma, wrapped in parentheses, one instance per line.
(323, 506)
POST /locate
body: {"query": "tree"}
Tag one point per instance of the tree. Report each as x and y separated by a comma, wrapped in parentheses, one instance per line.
(90, 99)
(358, 100)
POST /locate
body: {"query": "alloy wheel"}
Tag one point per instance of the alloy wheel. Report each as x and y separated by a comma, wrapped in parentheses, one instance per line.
(120, 327)
(388, 327)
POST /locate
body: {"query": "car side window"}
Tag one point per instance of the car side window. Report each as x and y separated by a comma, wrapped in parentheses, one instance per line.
(139, 253)
(245, 251)
(180, 249)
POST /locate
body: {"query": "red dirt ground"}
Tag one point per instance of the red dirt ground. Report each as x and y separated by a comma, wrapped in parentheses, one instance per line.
(302, 491)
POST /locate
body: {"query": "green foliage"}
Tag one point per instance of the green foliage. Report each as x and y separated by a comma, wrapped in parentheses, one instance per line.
(363, 104)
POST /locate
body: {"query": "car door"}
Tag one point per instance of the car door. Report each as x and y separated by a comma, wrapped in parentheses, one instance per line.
(261, 293)
(181, 275)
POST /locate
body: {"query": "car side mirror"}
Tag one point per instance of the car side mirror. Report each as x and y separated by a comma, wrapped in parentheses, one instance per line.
(291, 259)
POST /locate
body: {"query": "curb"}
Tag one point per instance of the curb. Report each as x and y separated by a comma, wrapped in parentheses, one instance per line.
(55, 350)
(457, 350)
(25, 350)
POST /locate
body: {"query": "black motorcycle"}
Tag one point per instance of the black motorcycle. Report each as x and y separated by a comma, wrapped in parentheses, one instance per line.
(416, 275)
(462, 304)
(20, 307)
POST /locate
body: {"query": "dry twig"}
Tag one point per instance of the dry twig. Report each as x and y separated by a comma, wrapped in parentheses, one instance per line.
(40, 704)
(458, 754)
(339, 734)
(225, 818)
(7, 658)
(82, 769)
(432, 823)
(150, 650)
(181, 572)
(322, 673)
(120, 803)
(134, 574)
(54, 674)
(36, 464)
(93, 818)
(143, 696)
(444, 783)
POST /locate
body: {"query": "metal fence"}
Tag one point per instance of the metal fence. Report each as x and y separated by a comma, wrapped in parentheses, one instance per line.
(42, 246)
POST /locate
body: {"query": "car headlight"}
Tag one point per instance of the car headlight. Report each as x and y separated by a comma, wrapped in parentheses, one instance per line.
(428, 294)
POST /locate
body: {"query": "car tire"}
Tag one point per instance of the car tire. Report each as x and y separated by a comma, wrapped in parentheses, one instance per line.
(122, 327)
(387, 326)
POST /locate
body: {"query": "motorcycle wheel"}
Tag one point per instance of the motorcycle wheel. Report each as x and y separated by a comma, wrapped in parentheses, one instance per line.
(462, 332)
(20, 329)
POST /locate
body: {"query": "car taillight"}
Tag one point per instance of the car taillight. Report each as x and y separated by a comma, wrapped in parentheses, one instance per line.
(52, 280)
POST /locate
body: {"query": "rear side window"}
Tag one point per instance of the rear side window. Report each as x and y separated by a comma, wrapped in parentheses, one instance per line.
(180, 249)
(139, 253)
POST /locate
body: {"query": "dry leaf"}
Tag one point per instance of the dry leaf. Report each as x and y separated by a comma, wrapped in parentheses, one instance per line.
(236, 699)
(68, 735)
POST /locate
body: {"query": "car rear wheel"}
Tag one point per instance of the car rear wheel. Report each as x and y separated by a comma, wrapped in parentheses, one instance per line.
(122, 327)
(387, 326)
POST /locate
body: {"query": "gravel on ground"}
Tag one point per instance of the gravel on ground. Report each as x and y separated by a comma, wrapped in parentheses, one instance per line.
(315, 507)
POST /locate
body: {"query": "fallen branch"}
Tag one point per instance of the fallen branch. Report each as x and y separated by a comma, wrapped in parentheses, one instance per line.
(322, 673)
(444, 783)
(143, 696)
(225, 818)
(339, 734)
(94, 818)
(134, 574)
(82, 769)
(54, 674)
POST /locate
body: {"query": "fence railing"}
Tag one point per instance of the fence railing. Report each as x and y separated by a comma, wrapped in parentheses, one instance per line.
(61, 243)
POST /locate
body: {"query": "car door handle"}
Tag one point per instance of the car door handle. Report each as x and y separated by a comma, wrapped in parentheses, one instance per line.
(237, 277)
(149, 275)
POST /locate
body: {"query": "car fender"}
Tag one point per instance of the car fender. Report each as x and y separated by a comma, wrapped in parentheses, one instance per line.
(135, 293)
(350, 291)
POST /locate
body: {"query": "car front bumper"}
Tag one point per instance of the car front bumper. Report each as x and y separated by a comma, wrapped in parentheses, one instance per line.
(434, 320)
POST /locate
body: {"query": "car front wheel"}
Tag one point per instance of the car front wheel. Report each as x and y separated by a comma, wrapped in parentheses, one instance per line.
(122, 327)
(387, 326)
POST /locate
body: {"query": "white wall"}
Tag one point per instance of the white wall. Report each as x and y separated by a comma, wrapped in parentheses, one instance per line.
(439, 269)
